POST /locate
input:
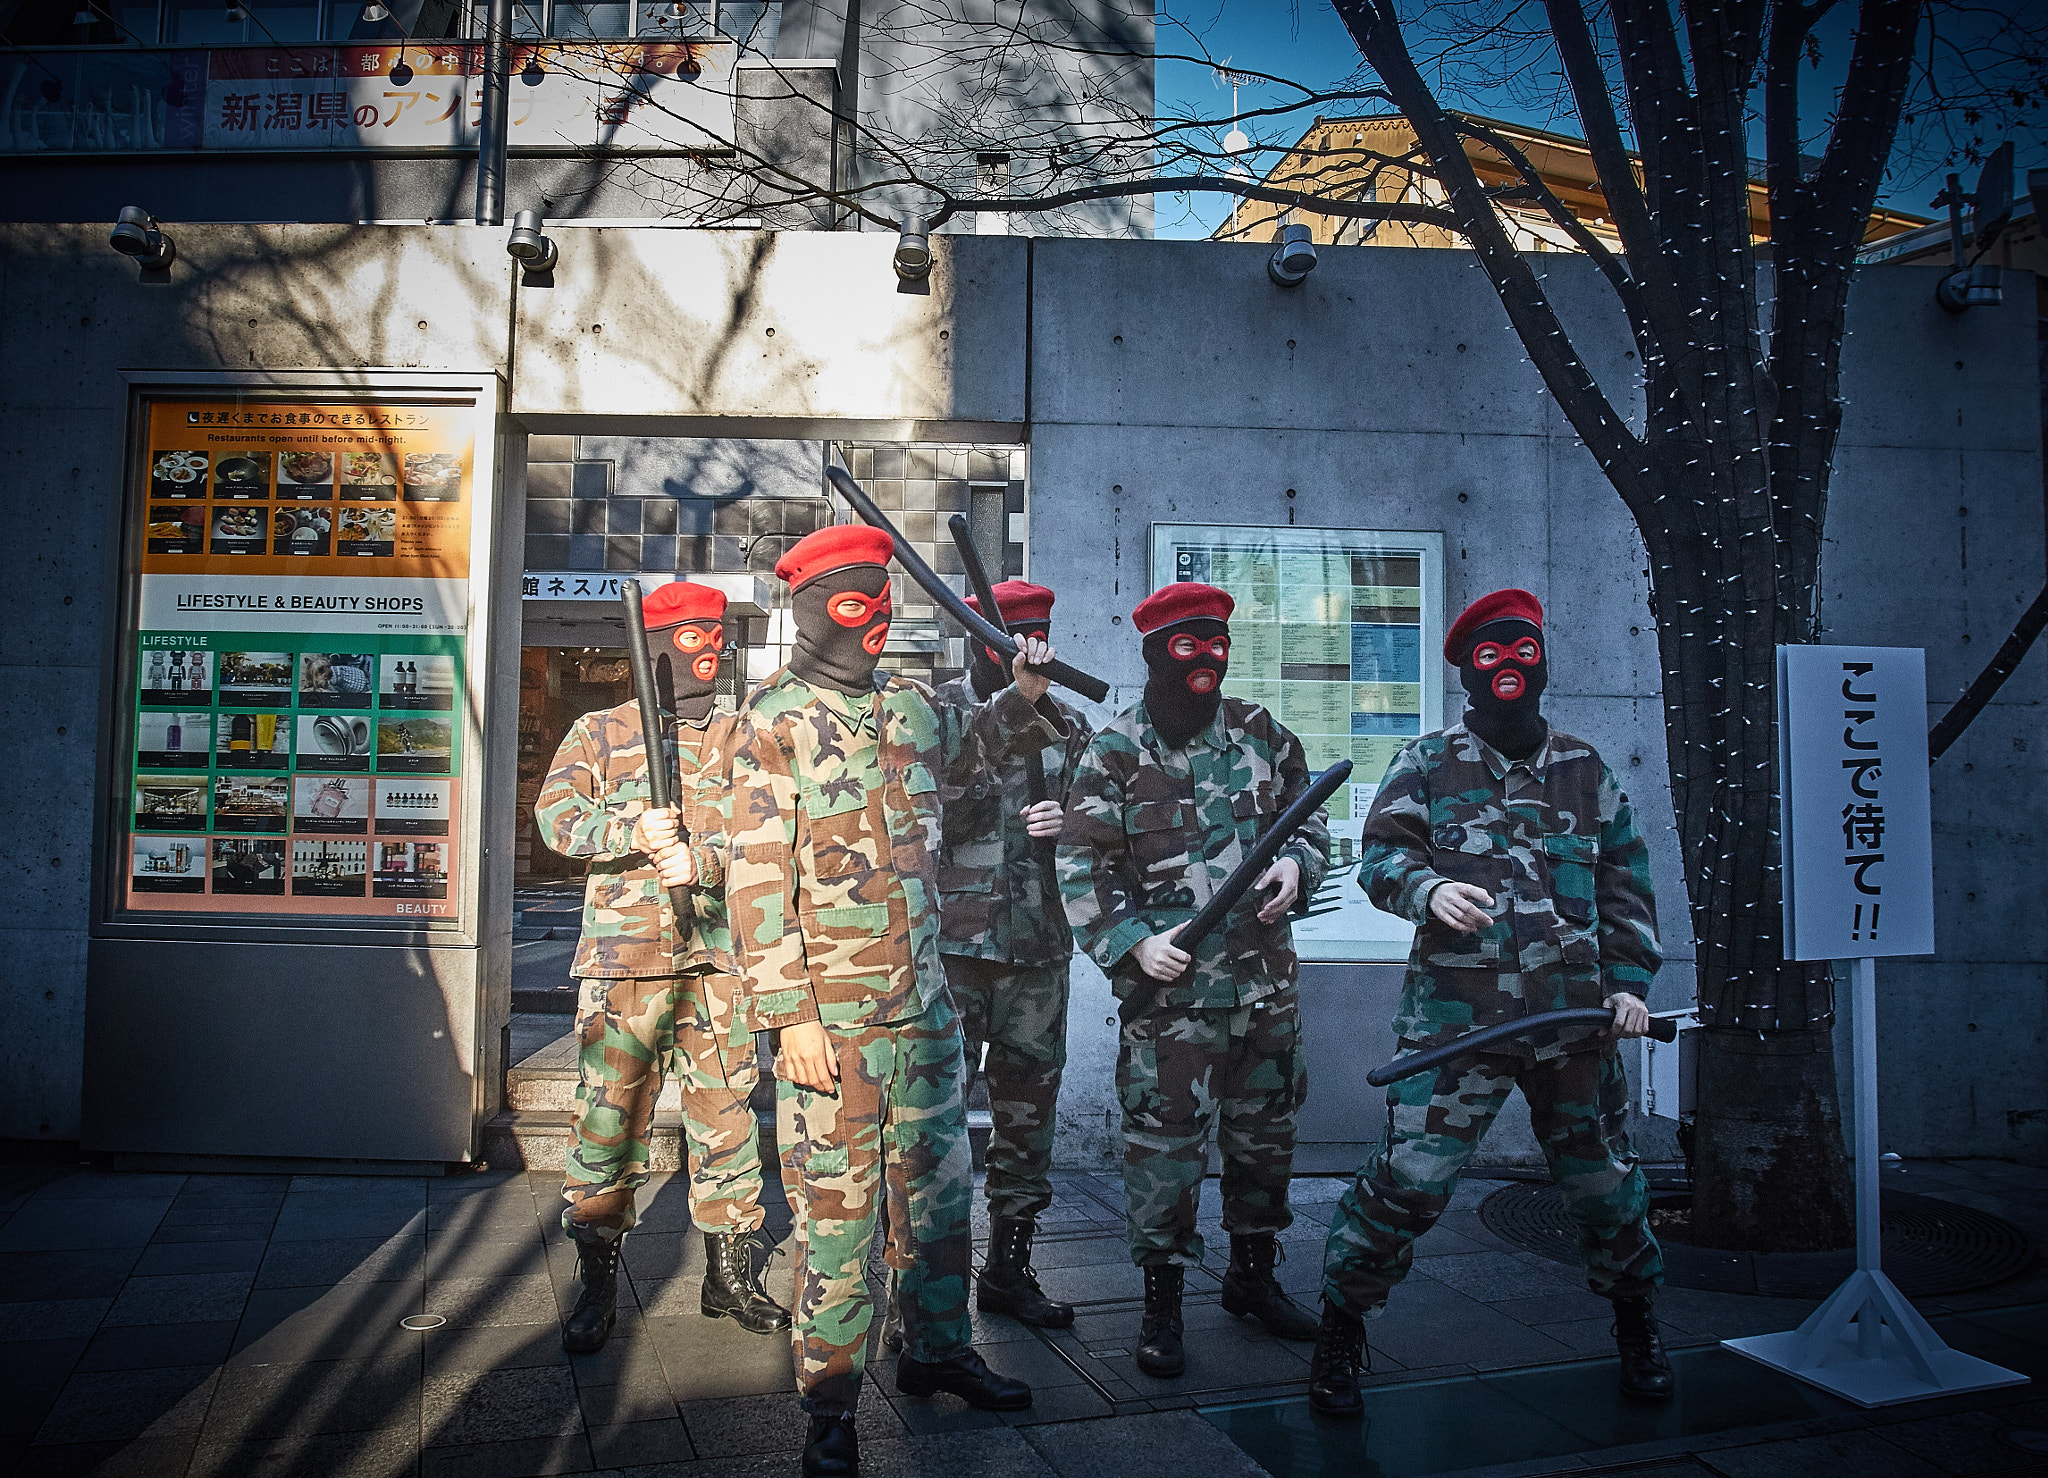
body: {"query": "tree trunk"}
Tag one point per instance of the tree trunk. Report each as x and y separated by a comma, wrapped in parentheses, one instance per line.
(1769, 1170)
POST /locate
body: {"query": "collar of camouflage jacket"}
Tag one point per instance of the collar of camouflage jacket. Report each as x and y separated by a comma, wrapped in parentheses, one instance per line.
(1214, 733)
(1498, 764)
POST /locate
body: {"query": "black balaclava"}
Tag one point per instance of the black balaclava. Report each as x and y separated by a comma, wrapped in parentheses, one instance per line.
(686, 667)
(1505, 671)
(842, 622)
(1186, 663)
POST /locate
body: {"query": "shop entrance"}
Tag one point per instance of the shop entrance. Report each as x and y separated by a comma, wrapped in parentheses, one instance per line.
(556, 686)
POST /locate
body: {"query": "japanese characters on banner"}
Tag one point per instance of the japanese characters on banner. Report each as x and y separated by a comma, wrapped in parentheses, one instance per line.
(1858, 842)
(300, 622)
(632, 97)
(626, 95)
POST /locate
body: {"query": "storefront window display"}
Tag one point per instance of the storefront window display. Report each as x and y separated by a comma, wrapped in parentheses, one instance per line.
(299, 616)
(1333, 631)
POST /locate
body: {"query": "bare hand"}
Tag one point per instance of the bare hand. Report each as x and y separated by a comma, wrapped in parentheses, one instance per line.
(1284, 876)
(659, 835)
(1044, 819)
(1031, 651)
(807, 1058)
(1631, 1015)
(1461, 905)
(1160, 958)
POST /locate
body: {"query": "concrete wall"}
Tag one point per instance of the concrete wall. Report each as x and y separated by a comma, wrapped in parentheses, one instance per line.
(1162, 381)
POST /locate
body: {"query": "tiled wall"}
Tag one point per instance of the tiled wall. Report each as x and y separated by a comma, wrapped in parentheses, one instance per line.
(627, 505)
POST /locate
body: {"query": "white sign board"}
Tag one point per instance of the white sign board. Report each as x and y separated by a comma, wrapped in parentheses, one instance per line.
(1852, 774)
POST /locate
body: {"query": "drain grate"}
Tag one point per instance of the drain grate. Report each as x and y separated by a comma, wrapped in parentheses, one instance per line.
(1930, 1247)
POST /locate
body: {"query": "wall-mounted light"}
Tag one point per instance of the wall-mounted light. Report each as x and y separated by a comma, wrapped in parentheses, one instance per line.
(136, 234)
(526, 245)
(400, 73)
(1294, 258)
(531, 74)
(913, 255)
(235, 15)
(375, 13)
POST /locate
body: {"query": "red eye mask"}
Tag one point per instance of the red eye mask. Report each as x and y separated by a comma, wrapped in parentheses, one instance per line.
(1506, 661)
(1186, 647)
(852, 609)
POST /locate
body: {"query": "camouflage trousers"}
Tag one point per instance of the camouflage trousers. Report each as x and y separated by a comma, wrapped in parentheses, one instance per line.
(1020, 1012)
(1577, 1105)
(894, 1131)
(1179, 1074)
(633, 1034)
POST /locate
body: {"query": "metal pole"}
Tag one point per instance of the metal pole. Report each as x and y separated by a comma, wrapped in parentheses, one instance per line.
(490, 141)
(1863, 987)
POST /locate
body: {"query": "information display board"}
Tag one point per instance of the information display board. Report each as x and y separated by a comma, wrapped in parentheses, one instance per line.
(296, 707)
(1336, 631)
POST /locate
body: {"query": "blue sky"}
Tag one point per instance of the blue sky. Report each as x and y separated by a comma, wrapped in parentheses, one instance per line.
(1304, 41)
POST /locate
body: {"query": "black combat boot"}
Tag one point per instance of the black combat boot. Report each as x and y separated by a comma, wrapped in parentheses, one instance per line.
(1159, 1347)
(1009, 1284)
(1645, 1372)
(966, 1376)
(1249, 1287)
(832, 1450)
(597, 1306)
(732, 1288)
(1334, 1369)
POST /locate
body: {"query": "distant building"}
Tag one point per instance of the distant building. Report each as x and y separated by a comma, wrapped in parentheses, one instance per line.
(1345, 159)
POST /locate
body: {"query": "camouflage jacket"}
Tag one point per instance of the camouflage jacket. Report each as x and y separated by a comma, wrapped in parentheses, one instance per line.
(1150, 832)
(833, 845)
(996, 900)
(1554, 841)
(594, 792)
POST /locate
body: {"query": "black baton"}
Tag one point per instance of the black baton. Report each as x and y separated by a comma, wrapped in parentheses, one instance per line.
(1092, 688)
(653, 732)
(1232, 888)
(1034, 762)
(1663, 1028)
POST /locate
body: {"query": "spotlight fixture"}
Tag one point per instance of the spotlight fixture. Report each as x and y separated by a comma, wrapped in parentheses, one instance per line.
(532, 74)
(136, 234)
(1294, 258)
(526, 245)
(400, 73)
(235, 15)
(1973, 287)
(85, 17)
(375, 13)
(913, 256)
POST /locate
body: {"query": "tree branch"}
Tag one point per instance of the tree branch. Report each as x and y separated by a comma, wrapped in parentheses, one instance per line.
(1371, 210)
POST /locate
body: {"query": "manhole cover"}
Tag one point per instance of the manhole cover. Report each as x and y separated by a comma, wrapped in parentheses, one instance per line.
(420, 1322)
(1930, 1247)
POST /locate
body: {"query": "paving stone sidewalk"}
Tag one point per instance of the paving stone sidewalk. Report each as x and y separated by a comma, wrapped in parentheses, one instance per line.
(166, 1325)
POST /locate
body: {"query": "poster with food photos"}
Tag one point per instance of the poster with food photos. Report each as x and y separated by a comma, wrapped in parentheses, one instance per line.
(299, 644)
(1336, 633)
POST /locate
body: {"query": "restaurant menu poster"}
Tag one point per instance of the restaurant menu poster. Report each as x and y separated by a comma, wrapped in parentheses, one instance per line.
(1335, 632)
(300, 624)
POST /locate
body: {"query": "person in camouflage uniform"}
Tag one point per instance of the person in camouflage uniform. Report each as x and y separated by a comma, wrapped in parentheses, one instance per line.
(1166, 802)
(1513, 848)
(1004, 938)
(655, 1000)
(832, 882)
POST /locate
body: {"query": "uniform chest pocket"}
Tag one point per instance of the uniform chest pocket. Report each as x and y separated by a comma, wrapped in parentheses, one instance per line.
(842, 842)
(1571, 860)
(1255, 801)
(1157, 836)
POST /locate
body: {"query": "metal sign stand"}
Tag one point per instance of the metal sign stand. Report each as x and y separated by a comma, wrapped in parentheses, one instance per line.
(1867, 1344)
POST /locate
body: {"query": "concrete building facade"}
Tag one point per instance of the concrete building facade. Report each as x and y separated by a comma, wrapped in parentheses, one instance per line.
(1151, 383)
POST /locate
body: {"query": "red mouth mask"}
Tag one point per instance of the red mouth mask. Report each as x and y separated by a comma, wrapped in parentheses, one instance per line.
(1186, 649)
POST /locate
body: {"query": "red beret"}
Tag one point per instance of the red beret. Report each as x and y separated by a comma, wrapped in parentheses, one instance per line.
(1502, 605)
(680, 601)
(1019, 602)
(1186, 600)
(833, 548)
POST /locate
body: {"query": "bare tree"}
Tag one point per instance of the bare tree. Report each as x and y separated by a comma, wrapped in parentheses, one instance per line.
(1726, 467)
